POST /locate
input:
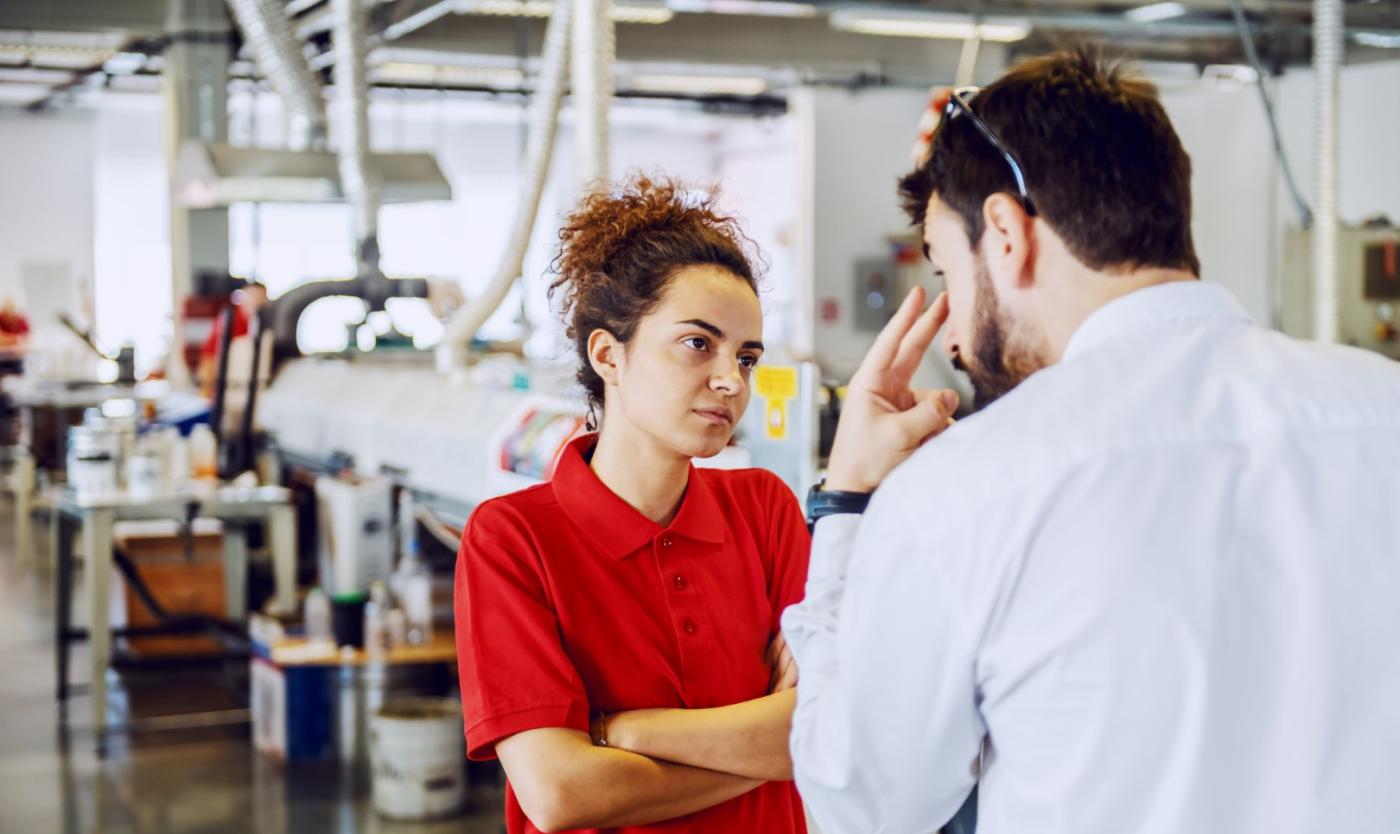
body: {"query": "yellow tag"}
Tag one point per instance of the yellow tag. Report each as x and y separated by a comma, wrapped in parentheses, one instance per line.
(775, 420)
(777, 384)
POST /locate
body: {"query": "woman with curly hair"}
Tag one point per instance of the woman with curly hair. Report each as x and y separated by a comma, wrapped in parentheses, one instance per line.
(617, 626)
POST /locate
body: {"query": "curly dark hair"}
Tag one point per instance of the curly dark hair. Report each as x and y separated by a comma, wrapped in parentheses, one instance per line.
(618, 249)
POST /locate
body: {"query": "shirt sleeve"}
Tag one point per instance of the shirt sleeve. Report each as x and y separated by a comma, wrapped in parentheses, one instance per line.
(514, 672)
(789, 548)
(887, 727)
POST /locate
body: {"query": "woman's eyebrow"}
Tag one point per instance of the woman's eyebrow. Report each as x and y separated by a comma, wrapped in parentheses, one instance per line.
(717, 333)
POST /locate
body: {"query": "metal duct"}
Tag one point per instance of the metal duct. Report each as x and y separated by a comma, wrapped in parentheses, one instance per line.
(374, 289)
(357, 179)
(1327, 62)
(539, 149)
(278, 54)
(595, 52)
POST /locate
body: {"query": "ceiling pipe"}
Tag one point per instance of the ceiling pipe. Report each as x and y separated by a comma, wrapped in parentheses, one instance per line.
(539, 150)
(278, 54)
(1327, 62)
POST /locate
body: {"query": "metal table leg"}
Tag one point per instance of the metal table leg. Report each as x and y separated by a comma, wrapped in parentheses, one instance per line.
(97, 549)
(22, 475)
(281, 528)
(236, 570)
(61, 541)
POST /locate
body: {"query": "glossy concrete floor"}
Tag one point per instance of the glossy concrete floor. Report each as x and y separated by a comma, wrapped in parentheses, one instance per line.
(183, 780)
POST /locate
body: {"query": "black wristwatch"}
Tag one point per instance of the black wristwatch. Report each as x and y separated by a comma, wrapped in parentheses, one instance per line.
(824, 502)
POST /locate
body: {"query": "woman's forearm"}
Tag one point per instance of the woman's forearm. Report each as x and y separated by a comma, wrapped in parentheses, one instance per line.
(746, 739)
(563, 783)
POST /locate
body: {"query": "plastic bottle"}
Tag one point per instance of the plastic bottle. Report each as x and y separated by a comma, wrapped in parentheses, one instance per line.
(415, 588)
(203, 453)
(317, 612)
(376, 628)
(178, 459)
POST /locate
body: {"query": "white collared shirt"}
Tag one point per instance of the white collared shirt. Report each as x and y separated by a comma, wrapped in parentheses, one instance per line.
(1156, 588)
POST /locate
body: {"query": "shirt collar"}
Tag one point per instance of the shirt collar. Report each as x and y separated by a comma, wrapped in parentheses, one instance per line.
(1172, 301)
(616, 527)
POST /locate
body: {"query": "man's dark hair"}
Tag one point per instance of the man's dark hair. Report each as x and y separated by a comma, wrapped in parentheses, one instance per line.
(1103, 165)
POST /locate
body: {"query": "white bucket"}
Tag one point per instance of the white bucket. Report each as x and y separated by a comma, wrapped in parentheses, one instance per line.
(418, 758)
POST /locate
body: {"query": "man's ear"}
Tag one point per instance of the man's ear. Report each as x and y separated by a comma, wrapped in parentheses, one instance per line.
(604, 353)
(1008, 240)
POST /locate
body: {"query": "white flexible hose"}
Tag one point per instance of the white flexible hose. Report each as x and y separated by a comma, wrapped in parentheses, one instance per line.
(357, 179)
(539, 150)
(595, 52)
(268, 33)
(1327, 60)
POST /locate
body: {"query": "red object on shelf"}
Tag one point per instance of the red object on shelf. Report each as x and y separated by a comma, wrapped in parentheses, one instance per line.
(198, 316)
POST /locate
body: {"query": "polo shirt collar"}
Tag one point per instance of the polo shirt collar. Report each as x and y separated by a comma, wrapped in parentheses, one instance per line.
(1157, 304)
(616, 527)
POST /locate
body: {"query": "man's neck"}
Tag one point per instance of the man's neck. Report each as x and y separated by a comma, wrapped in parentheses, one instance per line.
(640, 471)
(1090, 290)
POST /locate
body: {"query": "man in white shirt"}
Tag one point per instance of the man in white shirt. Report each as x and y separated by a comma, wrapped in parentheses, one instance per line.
(1154, 584)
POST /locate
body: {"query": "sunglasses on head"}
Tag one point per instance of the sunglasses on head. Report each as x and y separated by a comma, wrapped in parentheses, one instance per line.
(960, 103)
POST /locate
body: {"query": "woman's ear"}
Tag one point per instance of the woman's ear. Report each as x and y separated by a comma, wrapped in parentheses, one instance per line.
(604, 354)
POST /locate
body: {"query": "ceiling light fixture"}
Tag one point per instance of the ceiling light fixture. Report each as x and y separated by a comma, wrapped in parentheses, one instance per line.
(621, 13)
(124, 63)
(699, 85)
(932, 25)
(1382, 40)
(755, 8)
(1155, 12)
(437, 74)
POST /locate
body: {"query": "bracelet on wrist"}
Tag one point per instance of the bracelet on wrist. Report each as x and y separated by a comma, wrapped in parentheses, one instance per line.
(599, 729)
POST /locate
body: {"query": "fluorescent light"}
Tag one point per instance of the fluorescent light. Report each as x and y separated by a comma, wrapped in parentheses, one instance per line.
(1155, 12)
(22, 93)
(621, 13)
(641, 14)
(512, 8)
(932, 25)
(756, 8)
(438, 74)
(25, 75)
(56, 57)
(1230, 74)
(714, 85)
(1383, 40)
(124, 63)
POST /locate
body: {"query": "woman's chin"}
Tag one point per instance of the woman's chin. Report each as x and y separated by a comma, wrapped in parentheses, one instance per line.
(705, 447)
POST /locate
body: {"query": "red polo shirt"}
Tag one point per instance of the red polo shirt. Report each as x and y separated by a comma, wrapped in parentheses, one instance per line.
(569, 601)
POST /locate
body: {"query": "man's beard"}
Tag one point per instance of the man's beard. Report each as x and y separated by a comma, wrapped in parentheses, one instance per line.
(1003, 356)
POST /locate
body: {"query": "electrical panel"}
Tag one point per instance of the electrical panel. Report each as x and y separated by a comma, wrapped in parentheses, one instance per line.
(1368, 287)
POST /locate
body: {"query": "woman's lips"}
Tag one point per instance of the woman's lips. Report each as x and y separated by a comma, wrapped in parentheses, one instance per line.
(717, 416)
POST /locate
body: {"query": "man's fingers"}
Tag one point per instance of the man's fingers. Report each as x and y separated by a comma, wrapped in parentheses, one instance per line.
(882, 353)
(931, 414)
(917, 340)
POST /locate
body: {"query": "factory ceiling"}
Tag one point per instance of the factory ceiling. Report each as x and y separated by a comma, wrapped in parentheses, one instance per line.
(736, 49)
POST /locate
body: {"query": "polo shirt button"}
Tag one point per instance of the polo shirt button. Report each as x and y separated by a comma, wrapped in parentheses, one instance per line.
(665, 541)
(679, 582)
(689, 626)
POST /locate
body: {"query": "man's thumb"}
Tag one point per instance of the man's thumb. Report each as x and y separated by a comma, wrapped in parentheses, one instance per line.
(929, 414)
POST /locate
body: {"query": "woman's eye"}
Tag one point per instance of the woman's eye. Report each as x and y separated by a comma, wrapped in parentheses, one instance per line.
(697, 343)
(748, 361)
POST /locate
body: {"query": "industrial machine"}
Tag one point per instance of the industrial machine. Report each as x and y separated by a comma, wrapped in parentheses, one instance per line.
(1368, 286)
